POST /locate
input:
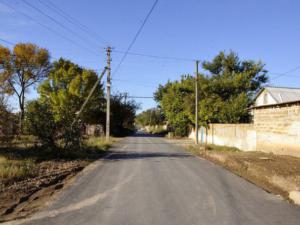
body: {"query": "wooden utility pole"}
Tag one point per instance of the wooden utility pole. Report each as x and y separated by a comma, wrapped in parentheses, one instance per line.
(196, 103)
(108, 50)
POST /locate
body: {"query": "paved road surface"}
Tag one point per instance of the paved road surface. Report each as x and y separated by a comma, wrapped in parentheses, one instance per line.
(152, 182)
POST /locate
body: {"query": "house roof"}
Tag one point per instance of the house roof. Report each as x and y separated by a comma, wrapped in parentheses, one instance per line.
(275, 105)
(282, 94)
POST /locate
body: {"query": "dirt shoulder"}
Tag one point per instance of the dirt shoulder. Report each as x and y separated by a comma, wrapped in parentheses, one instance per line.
(31, 176)
(23, 197)
(277, 174)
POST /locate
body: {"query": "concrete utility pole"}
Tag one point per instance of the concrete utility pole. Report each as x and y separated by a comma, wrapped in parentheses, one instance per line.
(196, 103)
(108, 50)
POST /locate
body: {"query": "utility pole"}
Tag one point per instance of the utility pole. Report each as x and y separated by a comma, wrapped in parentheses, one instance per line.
(196, 103)
(125, 97)
(108, 50)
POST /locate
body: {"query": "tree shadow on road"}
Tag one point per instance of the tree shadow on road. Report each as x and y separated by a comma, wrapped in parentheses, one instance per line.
(117, 156)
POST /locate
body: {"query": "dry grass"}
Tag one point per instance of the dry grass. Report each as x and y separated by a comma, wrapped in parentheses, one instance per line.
(30, 174)
(16, 169)
(22, 159)
(98, 142)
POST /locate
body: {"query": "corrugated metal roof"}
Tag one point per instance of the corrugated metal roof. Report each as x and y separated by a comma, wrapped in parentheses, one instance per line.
(282, 95)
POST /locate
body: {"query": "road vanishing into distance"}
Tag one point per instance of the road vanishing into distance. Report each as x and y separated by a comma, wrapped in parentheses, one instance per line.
(149, 181)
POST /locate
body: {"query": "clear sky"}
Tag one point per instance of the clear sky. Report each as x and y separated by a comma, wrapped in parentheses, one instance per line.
(267, 30)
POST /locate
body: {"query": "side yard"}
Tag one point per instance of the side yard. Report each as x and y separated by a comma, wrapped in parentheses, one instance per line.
(278, 174)
(30, 174)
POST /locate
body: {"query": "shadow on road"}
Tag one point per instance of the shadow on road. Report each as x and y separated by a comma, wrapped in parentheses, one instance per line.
(116, 156)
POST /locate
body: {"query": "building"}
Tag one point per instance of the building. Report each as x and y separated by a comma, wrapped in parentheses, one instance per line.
(275, 127)
(276, 95)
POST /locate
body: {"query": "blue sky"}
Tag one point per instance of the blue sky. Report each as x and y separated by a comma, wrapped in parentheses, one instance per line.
(266, 30)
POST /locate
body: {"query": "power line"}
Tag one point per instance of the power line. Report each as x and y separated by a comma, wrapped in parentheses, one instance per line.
(136, 36)
(156, 56)
(44, 26)
(7, 42)
(58, 23)
(286, 73)
(72, 20)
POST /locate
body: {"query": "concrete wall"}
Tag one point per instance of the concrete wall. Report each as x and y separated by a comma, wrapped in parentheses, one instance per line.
(93, 130)
(242, 136)
(275, 129)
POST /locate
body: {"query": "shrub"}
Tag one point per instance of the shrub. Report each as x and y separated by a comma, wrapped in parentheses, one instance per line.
(40, 122)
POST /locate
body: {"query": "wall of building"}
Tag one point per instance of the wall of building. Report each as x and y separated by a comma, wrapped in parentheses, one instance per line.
(265, 98)
(278, 129)
(275, 129)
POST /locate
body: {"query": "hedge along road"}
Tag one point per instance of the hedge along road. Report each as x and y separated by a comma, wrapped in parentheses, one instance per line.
(150, 181)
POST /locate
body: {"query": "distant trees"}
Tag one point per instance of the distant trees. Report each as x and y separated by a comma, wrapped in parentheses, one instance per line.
(225, 92)
(150, 117)
(122, 114)
(21, 68)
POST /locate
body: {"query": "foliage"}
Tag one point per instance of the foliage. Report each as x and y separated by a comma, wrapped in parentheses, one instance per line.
(21, 68)
(122, 115)
(150, 117)
(6, 121)
(227, 91)
(176, 101)
(224, 93)
(40, 122)
(61, 96)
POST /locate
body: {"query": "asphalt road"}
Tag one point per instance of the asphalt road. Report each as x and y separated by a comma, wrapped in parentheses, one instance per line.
(148, 181)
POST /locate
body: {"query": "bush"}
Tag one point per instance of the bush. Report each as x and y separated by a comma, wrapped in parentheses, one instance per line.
(6, 122)
(40, 122)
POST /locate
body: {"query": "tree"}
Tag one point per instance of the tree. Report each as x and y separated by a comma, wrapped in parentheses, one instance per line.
(40, 122)
(228, 88)
(5, 120)
(176, 101)
(64, 91)
(21, 68)
(150, 117)
(122, 114)
(225, 92)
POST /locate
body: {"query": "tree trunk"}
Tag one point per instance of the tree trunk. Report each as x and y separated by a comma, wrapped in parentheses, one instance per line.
(22, 112)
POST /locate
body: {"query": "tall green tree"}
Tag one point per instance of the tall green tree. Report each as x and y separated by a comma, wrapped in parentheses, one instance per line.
(228, 87)
(64, 91)
(225, 91)
(176, 101)
(24, 66)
